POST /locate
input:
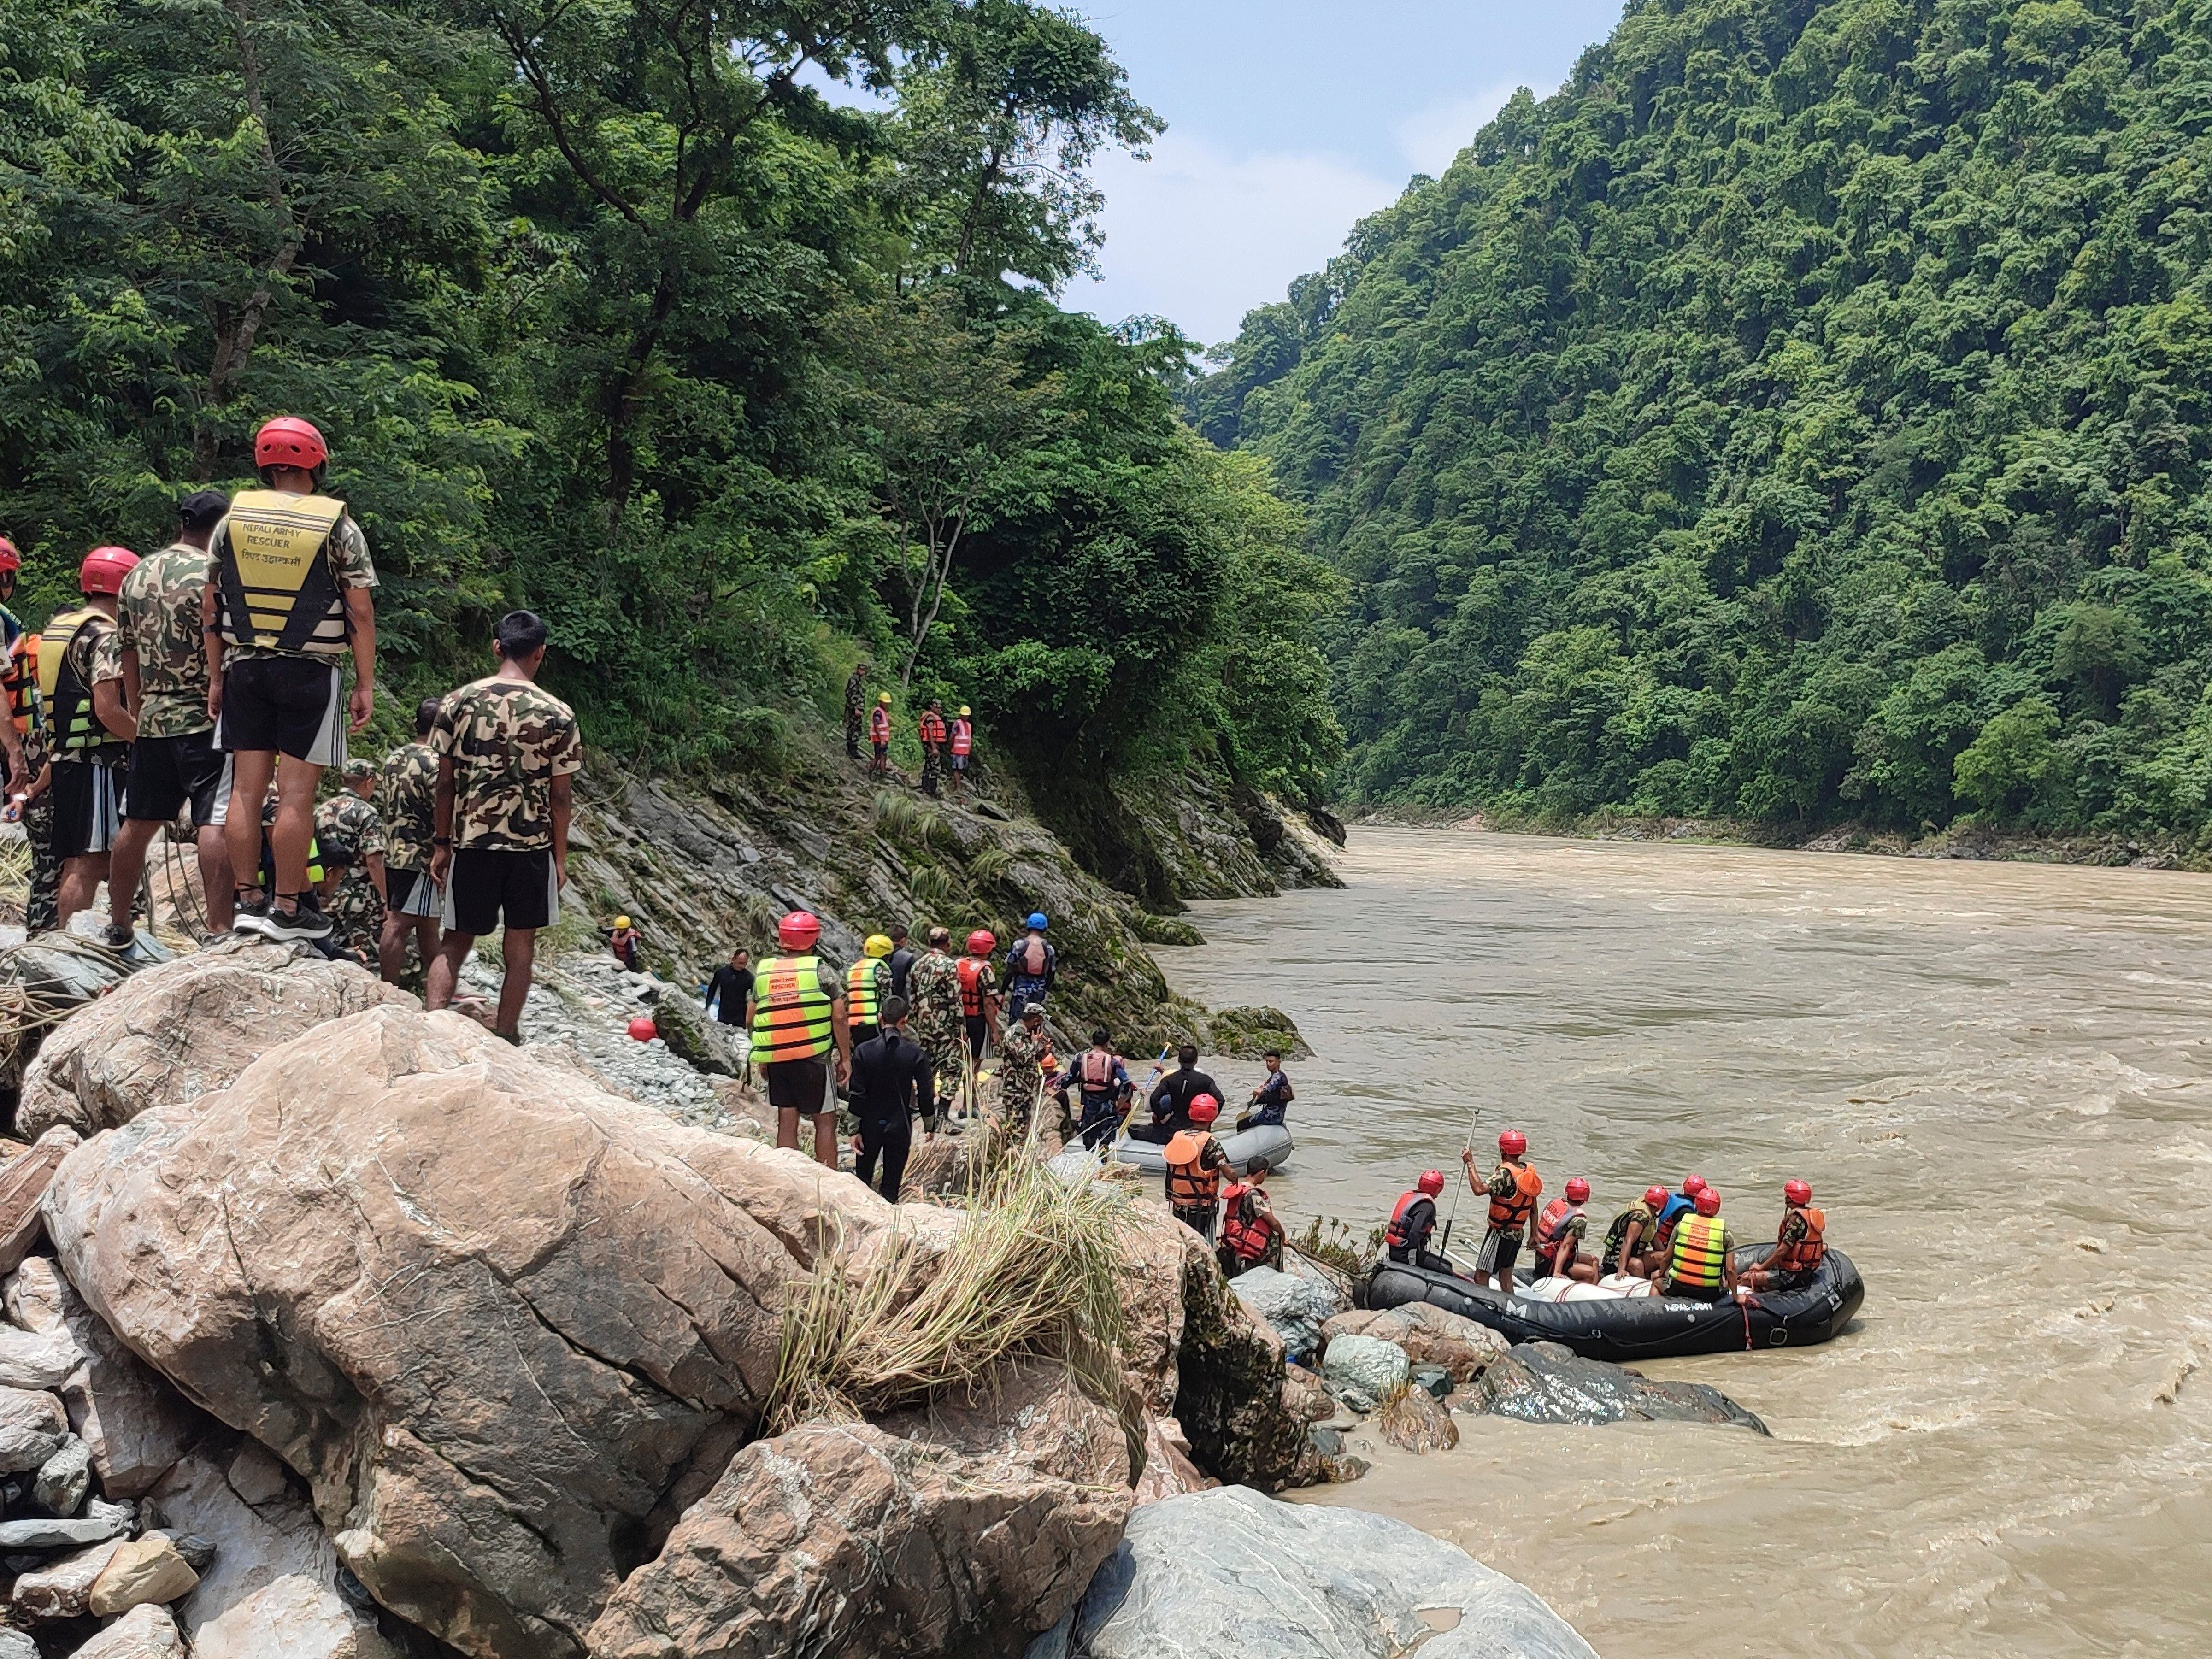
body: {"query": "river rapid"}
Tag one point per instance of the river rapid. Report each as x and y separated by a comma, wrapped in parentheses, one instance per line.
(1996, 1077)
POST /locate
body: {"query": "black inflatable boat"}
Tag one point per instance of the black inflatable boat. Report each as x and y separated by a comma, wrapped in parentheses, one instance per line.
(1624, 1329)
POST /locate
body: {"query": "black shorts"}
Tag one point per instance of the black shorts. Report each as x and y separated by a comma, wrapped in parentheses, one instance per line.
(799, 1086)
(167, 772)
(488, 887)
(411, 896)
(979, 1033)
(1500, 1250)
(284, 705)
(88, 807)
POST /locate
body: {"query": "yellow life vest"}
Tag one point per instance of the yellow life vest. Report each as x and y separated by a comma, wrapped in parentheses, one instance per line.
(792, 1015)
(273, 576)
(1700, 1252)
(76, 727)
(861, 985)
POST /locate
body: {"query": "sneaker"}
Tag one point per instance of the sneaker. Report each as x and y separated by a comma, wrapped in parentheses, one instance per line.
(308, 921)
(119, 939)
(250, 915)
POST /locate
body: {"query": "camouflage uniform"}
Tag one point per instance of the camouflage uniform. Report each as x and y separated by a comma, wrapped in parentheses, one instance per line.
(348, 829)
(21, 673)
(509, 740)
(1021, 1054)
(932, 989)
(158, 615)
(856, 711)
(406, 798)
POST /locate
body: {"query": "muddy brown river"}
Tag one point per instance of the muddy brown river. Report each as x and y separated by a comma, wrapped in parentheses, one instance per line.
(1998, 1080)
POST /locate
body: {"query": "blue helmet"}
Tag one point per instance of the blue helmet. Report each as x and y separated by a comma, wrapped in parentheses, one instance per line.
(1036, 921)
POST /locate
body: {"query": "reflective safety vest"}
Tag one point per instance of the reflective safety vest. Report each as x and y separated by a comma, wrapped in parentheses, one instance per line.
(862, 985)
(971, 986)
(76, 726)
(1398, 1233)
(964, 738)
(1191, 1185)
(1245, 1233)
(1551, 1223)
(1510, 1215)
(879, 725)
(794, 1016)
(1807, 1253)
(23, 672)
(273, 581)
(1700, 1252)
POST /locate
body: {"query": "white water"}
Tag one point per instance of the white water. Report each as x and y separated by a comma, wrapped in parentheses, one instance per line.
(1996, 1077)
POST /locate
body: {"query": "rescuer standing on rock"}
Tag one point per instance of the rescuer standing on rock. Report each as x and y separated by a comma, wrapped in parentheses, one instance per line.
(856, 709)
(289, 601)
(24, 742)
(799, 1024)
(934, 993)
(80, 675)
(407, 800)
(507, 751)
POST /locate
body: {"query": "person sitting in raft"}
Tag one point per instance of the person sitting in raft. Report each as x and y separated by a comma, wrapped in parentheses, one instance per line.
(1631, 1241)
(1194, 1162)
(1406, 1236)
(1798, 1247)
(1513, 1189)
(1701, 1269)
(1171, 1098)
(1250, 1235)
(1559, 1235)
(1272, 1098)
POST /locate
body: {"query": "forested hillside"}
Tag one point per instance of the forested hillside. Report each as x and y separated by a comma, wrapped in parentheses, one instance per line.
(1800, 416)
(606, 310)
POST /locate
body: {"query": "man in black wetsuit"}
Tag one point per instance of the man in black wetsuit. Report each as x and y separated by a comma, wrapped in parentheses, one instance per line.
(902, 959)
(892, 1079)
(1406, 1237)
(1171, 1098)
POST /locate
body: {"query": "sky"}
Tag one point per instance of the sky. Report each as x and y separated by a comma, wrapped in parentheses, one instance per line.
(1289, 119)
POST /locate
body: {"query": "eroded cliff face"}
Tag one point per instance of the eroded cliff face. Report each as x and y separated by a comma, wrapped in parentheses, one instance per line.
(704, 866)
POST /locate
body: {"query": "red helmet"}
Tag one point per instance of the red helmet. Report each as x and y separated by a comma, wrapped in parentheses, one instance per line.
(104, 569)
(800, 931)
(1708, 1201)
(1512, 1143)
(1431, 1182)
(1692, 1185)
(981, 942)
(1578, 1190)
(288, 440)
(1796, 1192)
(1205, 1110)
(10, 558)
(1655, 1198)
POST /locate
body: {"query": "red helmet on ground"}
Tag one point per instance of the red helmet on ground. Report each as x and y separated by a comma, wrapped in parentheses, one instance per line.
(288, 440)
(1205, 1109)
(10, 558)
(642, 1028)
(1655, 1198)
(1578, 1190)
(1797, 1192)
(1692, 1185)
(1431, 1182)
(1512, 1143)
(798, 931)
(104, 569)
(981, 942)
(1708, 1201)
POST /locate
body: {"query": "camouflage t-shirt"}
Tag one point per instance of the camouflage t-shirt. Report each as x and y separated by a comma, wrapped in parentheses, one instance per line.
(348, 829)
(407, 796)
(351, 567)
(508, 741)
(158, 615)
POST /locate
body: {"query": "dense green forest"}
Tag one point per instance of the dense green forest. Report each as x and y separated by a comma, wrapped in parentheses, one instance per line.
(606, 309)
(1801, 416)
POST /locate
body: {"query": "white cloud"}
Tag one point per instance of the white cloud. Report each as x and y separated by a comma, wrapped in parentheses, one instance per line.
(1200, 236)
(1430, 138)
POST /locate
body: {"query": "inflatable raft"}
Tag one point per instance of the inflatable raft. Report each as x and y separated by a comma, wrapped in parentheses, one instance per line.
(1624, 1329)
(1271, 1141)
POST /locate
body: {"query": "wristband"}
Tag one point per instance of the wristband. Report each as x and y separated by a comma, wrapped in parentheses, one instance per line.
(441, 840)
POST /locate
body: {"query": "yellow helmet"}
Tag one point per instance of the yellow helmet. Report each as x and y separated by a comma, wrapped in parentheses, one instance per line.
(621, 921)
(885, 698)
(963, 711)
(879, 945)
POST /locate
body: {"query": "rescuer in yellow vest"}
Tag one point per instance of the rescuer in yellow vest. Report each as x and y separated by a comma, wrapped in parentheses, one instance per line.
(80, 677)
(800, 1039)
(867, 987)
(288, 605)
(1702, 1269)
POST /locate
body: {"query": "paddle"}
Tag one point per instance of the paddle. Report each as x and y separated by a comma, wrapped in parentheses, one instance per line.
(1474, 1118)
(1122, 1129)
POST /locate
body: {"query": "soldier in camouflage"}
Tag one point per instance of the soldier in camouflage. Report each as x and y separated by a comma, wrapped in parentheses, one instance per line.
(22, 741)
(406, 797)
(856, 709)
(350, 833)
(1023, 1053)
(933, 997)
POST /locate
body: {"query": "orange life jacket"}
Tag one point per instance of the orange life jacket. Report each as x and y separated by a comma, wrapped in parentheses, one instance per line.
(879, 725)
(964, 738)
(933, 727)
(1097, 1070)
(1510, 1215)
(1551, 1225)
(971, 986)
(1246, 1235)
(1807, 1253)
(1397, 1236)
(1029, 954)
(1191, 1185)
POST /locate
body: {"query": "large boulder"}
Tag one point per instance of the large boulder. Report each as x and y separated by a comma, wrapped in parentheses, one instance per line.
(961, 1529)
(505, 1325)
(1363, 1370)
(1229, 1571)
(1296, 1307)
(184, 1029)
(1429, 1336)
(1544, 1382)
